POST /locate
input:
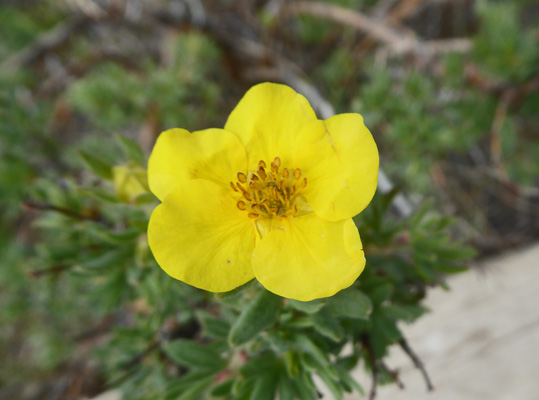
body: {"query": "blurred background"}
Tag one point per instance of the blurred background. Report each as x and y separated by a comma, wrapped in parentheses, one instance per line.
(449, 89)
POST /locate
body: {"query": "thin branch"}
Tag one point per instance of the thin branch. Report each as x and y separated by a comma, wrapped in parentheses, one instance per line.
(397, 40)
(41, 206)
(417, 362)
(366, 343)
(57, 269)
(393, 374)
(355, 19)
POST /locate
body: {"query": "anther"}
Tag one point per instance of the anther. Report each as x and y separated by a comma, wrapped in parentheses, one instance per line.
(304, 181)
(262, 164)
(234, 188)
(295, 209)
(252, 215)
(262, 174)
(297, 173)
(240, 187)
(247, 196)
(254, 177)
(241, 205)
(241, 177)
(277, 161)
(292, 190)
(286, 174)
(254, 186)
(274, 167)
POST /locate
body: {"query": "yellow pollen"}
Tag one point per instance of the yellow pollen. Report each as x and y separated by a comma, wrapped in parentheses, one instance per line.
(270, 193)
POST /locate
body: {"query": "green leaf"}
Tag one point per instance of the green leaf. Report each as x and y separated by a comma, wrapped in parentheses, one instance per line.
(97, 165)
(350, 303)
(213, 327)
(109, 259)
(223, 388)
(345, 376)
(325, 322)
(265, 386)
(285, 387)
(308, 307)
(260, 314)
(381, 293)
(131, 149)
(264, 362)
(193, 355)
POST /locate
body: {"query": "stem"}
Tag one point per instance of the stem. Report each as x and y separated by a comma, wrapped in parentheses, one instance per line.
(417, 362)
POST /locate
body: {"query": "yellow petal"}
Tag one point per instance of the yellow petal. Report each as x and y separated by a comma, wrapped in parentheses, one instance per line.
(267, 120)
(309, 258)
(341, 166)
(200, 237)
(179, 156)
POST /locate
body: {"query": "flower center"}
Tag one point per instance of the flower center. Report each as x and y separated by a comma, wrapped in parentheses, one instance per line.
(269, 192)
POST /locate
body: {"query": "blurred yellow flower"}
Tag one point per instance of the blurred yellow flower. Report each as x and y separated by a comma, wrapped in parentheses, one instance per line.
(269, 196)
(130, 181)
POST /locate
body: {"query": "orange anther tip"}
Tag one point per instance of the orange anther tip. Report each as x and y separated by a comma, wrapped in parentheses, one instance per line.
(241, 205)
(297, 173)
(241, 177)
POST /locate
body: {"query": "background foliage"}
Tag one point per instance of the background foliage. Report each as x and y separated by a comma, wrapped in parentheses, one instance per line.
(86, 87)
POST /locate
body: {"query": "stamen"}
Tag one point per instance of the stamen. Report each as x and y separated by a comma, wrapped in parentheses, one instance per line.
(241, 177)
(286, 174)
(240, 187)
(254, 186)
(269, 192)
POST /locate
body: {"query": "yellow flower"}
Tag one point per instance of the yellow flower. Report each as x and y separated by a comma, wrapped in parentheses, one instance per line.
(130, 181)
(270, 196)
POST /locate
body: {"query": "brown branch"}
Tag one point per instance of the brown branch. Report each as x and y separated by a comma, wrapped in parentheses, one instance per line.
(355, 19)
(417, 362)
(41, 206)
(398, 40)
(57, 269)
(375, 364)
(393, 374)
